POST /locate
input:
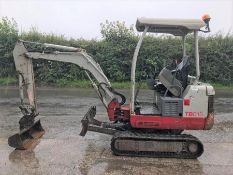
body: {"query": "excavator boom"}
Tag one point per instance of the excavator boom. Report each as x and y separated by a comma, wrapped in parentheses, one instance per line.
(23, 63)
(29, 129)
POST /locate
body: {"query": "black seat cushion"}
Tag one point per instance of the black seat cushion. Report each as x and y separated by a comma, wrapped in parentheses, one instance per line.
(182, 71)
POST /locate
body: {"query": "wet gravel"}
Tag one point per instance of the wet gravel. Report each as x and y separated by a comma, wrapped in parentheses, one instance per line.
(63, 151)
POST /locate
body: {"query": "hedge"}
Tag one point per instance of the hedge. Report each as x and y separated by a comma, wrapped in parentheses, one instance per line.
(115, 50)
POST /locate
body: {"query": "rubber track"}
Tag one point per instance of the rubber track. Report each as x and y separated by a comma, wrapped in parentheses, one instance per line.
(185, 138)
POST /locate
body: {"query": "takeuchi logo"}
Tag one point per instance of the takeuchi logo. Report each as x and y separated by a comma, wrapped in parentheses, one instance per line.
(194, 114)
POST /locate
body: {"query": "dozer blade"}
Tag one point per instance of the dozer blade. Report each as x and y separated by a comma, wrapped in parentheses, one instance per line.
(89, 116)
(91, 124)
(27, 137)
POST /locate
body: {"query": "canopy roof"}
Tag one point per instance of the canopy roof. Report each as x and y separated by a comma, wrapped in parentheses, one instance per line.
(177, 27)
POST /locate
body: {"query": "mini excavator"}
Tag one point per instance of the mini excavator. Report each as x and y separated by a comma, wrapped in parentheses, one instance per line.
(153, 129)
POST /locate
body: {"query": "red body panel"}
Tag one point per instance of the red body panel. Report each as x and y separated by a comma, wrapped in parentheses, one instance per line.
(122, 113)
(161, 122)
(112, 107)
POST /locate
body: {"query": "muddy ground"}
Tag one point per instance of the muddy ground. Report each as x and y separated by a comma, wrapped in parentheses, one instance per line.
(63, 151)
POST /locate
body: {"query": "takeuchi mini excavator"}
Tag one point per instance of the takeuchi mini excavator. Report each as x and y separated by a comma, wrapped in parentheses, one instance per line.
(181, 102)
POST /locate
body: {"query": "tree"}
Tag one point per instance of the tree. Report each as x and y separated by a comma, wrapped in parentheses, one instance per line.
(8, 37)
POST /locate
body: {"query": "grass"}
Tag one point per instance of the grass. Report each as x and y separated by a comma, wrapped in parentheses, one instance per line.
(73, 83)
(222, 87)
(87, 84)
(10, 81)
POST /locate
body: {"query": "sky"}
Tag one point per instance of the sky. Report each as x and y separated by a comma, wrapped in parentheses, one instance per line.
(82, 18)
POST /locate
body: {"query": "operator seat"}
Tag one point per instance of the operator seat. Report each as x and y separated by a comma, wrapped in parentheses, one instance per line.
(177, 80)
(182, 71)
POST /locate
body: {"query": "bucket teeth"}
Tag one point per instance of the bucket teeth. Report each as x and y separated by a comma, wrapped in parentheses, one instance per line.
(26, 137)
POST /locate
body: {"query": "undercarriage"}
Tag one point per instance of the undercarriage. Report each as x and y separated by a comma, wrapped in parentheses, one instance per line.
(127, 141)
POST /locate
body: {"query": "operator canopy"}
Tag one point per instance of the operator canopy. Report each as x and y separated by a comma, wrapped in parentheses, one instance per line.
(177, 27)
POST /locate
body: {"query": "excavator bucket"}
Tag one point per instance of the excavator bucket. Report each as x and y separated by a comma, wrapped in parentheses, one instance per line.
(27, 138)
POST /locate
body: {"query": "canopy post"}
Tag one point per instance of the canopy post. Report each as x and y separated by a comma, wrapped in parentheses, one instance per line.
(133, 68)
(183, 46)
(197, 56)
